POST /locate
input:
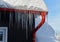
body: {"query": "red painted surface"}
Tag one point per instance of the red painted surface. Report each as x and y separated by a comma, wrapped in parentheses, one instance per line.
(17, 10)
(43, 14)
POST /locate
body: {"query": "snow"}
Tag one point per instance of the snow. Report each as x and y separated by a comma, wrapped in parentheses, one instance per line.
(38, 5)
(46, 33)
(3, 4)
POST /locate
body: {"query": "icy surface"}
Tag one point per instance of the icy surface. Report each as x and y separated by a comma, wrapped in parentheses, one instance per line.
(3, 4)
(46, 33)
(38, 5)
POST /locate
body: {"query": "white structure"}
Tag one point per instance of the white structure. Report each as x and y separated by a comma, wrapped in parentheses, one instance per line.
(3, 34)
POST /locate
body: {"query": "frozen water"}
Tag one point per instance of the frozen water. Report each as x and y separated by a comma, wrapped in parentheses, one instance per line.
(3, 4)
(38, 5)
(46, 33)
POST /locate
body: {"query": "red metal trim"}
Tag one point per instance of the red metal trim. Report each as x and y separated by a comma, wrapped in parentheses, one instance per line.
(43, 14)
(19, 10)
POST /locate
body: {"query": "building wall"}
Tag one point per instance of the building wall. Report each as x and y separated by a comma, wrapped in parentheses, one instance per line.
(20, 25)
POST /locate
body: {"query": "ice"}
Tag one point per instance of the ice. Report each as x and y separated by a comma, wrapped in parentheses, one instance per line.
(38, 5)
(46, 33)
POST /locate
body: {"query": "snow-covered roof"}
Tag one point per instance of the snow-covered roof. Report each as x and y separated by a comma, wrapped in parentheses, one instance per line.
(38, 5)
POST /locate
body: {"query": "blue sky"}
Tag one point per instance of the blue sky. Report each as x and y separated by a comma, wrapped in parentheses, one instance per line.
(54, 13)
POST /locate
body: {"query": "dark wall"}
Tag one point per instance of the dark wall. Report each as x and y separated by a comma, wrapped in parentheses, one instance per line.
(20, 25)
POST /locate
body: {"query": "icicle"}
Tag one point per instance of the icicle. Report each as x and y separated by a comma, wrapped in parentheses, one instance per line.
(27, 27)
(0, 17)
(18, 19)
(30, 20)
(10, 19)
(22, 21)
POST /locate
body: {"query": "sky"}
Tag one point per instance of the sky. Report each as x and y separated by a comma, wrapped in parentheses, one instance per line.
(54, 14)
